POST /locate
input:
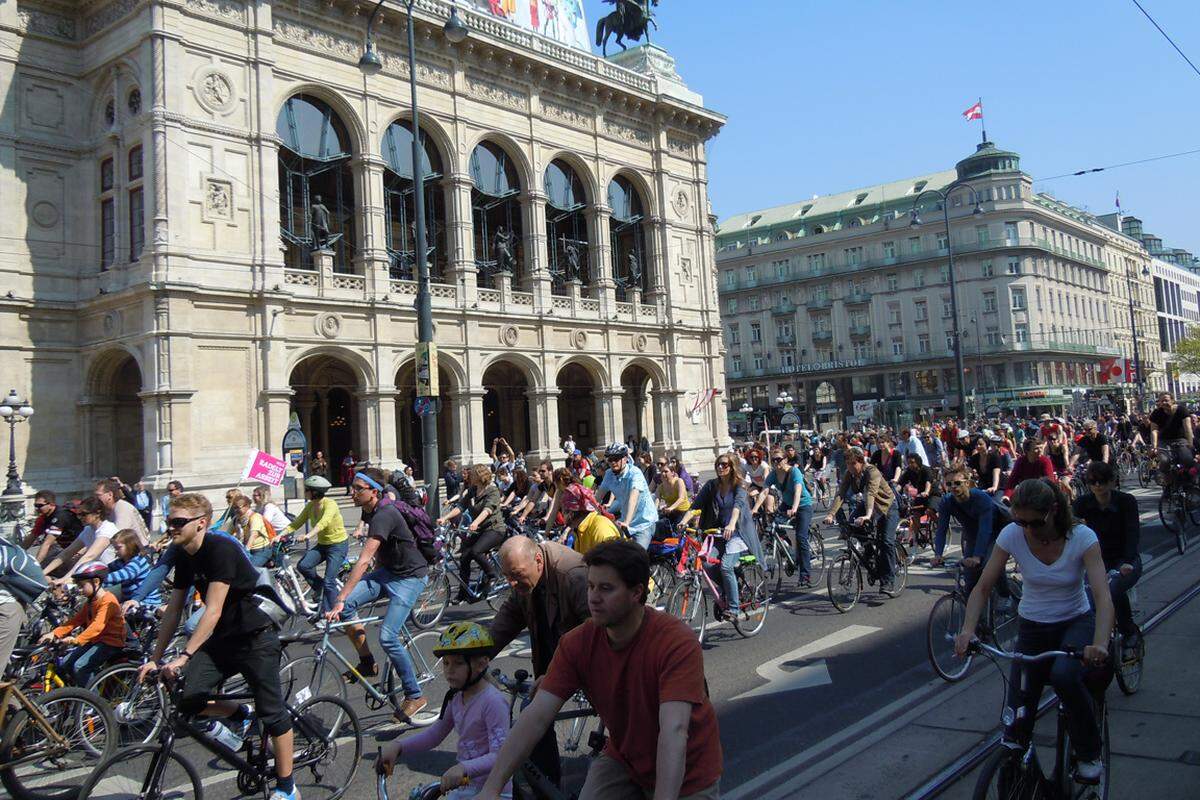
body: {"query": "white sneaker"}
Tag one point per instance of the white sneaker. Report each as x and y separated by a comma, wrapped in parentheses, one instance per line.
(1089, 771)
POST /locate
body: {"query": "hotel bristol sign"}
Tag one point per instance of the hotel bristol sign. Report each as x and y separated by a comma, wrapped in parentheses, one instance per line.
(823, 366)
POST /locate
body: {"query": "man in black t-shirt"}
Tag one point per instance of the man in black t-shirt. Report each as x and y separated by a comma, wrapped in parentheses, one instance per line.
(1171, 425)
(56, 526)
(400, 574)
(232, 637)
(1093, 444)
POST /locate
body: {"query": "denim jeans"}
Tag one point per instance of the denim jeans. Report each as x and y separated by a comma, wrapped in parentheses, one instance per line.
(334, 555)
(885, 527)
(262, 556)
(800, 525)
(643, 535)
(1066, 675)
(1118, 587)
(86, 660)
(971, 575)
(729, 562)
(402, 594)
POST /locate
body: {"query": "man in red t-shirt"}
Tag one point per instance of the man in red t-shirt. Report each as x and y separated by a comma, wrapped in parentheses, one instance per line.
(643, 672)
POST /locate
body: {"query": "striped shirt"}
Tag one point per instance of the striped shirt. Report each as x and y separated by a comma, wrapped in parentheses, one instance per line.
(129, 575)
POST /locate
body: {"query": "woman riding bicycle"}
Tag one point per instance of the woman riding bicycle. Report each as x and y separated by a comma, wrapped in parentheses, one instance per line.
(1030, 466)
(797, 507)
(480, 507)
(1054, 554)
(673, 502)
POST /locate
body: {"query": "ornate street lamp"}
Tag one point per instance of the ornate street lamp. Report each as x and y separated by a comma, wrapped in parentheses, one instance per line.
(14, 410)
(370, 63)
(1137, 361)
(944, 195)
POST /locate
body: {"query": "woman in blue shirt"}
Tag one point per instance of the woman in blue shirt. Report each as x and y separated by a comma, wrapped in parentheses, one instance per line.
(797, 506)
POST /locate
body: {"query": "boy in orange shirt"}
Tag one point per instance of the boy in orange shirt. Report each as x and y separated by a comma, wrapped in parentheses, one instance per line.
(103, 626)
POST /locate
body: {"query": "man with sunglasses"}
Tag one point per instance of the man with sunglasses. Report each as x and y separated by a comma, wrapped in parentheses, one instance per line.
(1093, 445)
(55, 526)
(233, 636)
(1113, 515)
(981, 519)
(631, 502)
(1171, 423)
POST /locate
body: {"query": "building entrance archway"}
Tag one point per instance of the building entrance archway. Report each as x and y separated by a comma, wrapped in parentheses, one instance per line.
(409, 439)
(577, 415)
(639, 417)
(506, 406)
(326, 394)
(828, 407)
(117, 418)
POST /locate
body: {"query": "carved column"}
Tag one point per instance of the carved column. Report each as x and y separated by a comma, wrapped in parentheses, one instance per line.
(656, 260)
(544, 435)
(537, 254)
(160, 235)
(461, 235)
(608, 416)
(604, 288)
(372, 259)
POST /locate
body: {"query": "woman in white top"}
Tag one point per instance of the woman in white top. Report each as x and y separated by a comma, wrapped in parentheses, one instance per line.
(1055, 555)
(94, 542)
(270, 512)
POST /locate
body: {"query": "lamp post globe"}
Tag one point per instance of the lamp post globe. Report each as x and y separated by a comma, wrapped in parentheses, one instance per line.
(14, 410)
(454, 29)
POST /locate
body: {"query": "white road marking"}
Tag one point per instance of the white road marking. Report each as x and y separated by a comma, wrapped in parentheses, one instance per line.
(807, 675)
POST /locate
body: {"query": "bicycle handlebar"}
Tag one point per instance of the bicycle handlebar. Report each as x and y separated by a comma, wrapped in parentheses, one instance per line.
(1070, 652)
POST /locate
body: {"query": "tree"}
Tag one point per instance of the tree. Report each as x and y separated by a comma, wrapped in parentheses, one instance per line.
(1187, 352)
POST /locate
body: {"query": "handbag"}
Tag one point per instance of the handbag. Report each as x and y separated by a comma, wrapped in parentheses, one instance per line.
(279, 606)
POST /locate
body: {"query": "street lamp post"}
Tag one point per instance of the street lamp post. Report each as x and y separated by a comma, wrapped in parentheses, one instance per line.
(748, 410)
(370, 63)
(944, 195)
(1137, 360)
(14, 410)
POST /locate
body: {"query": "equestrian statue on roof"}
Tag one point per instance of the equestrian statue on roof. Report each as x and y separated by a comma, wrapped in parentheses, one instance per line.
(631, 20)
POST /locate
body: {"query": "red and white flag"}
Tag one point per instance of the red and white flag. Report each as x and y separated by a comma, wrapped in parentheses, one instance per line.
(1116, 370)
(974, 112)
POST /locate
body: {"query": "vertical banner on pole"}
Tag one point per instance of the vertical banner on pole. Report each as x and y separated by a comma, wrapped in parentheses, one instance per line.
(427, 370)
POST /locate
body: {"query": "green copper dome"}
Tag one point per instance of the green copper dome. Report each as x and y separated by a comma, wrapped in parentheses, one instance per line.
(986, 159)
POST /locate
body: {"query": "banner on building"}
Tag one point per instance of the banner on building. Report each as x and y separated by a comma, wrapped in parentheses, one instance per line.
(1116, 370)
(264, 468)
(864, 408)
(562, 20)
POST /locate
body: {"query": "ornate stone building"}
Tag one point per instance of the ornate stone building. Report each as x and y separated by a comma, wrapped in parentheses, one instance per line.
(170, 168)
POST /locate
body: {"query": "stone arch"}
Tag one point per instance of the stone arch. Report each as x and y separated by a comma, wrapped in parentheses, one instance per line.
(649, 196)
(514, 150)
(328, 384)
(506, 404)
(360, 141)
(827, 406)
(581, 382)
(640, 384)
(409, 432)
(399, 199)
(448, 363)
(432, 127)
(533, 372)
(587, 175)
(115, 417)
(364, 373)
(500, 209)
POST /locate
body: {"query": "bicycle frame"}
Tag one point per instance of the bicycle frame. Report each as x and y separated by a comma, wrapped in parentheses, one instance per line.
(696, 562)
(9, 692)
(326, 648)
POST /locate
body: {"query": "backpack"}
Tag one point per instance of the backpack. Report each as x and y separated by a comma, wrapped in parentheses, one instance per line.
(271, 532)
(421, 526)
(20, 573)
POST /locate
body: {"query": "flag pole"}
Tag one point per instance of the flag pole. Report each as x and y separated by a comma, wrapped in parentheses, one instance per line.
(982, 123)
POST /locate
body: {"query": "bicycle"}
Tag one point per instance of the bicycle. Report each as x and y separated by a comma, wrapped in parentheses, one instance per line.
(690, 598)
(1013, 771)
(1180, 505)
(319, 674)
(47, 744)
(322, 726)
(864, 551)
(780, 556)
(1127, 462)
(435, 597)
(918, 525)
(946, 620)
(1147, 472)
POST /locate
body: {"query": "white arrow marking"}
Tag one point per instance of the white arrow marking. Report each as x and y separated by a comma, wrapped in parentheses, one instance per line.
(803, 676)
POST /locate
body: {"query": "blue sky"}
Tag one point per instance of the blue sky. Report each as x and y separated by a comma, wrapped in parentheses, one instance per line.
(825, 97)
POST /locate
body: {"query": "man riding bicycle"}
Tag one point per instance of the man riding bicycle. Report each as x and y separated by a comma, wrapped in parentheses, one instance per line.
(643, 672)
(1171, 424)
(865, 479)
(233, 634)
(1113, 515)
(981, 519)
(1093, 445)
(631, 501)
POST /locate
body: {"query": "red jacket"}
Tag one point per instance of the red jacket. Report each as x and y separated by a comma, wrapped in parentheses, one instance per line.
(1024, 470)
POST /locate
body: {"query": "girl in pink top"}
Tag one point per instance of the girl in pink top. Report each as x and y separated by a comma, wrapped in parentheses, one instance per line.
(476, 710)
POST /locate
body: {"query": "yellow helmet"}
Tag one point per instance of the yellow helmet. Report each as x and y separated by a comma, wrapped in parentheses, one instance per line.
(464, 639)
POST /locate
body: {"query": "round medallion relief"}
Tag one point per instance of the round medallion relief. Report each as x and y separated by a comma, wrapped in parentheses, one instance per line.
(579, 339)
(640, 342)
(328, 325)
(509, 335)
(44, 213)
(214, 90)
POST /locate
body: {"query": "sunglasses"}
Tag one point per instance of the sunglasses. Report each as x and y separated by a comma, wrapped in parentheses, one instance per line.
(178, 523)
(1096, 483)
(39, 506)
(1032, 523)
(725, 464)
(661, 464)
(956, 483)
(777, 460)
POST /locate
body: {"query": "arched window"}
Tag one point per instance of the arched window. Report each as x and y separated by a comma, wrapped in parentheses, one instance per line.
(496, 213)
(314, 170)
(566, 225)
(400, 202)
(626, 230)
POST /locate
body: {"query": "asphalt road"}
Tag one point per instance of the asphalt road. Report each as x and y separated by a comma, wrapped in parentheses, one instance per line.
(811, 673)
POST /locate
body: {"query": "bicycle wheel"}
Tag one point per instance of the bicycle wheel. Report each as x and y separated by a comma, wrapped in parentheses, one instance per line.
(137, 707)
(662, 580)
(1191, 502)
(1172, 515)
(844, 581)
(906, 549)
(816, 556)
(428, 669)
(754, 600)
(316, 676)
(900, 579)
(121, 776)
(431, 603)
(689, 603)
(945, 622)
(38, 768)
(1145, 476)
(328, 747)
(1129, 670)
(1004, 777)
(498, 594)
(572, 722)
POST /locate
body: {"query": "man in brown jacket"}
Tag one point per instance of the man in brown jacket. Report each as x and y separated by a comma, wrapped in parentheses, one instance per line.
(864, 478)
(549, 598)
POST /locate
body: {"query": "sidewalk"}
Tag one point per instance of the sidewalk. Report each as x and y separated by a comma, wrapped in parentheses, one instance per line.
(1155, 734)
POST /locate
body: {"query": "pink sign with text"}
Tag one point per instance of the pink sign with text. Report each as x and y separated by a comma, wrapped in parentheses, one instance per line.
(264, 468)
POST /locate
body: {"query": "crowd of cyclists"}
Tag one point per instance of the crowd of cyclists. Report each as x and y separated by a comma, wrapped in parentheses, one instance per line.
(571, 551)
